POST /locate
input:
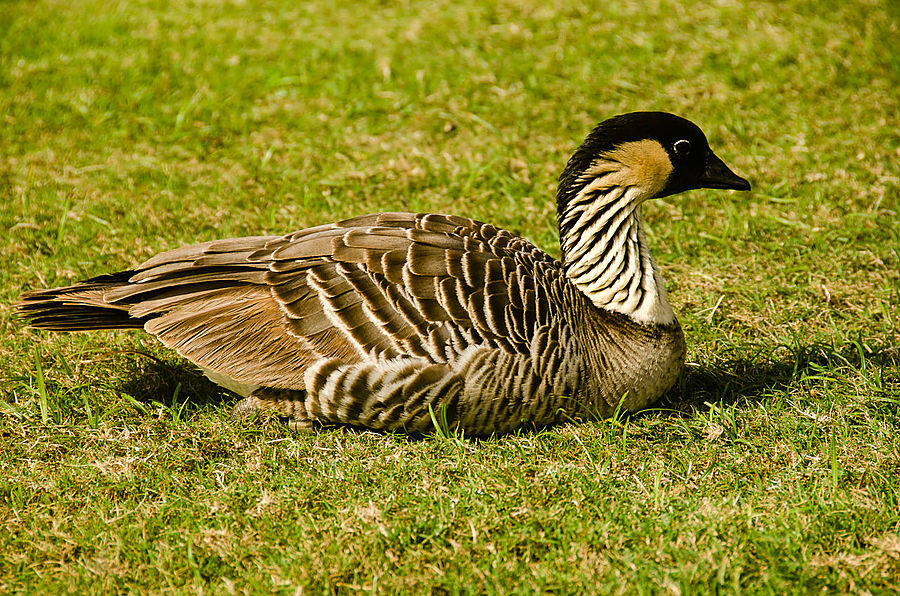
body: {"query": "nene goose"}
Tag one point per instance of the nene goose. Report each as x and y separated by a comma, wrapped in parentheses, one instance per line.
(382, 320)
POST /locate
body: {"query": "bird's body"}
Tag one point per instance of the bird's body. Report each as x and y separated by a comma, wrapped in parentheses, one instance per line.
(389, 320)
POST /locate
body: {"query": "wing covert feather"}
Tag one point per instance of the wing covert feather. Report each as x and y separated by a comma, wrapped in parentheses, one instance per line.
(261, 309)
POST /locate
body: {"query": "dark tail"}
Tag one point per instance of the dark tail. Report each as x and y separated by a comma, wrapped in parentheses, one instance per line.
(81, 307)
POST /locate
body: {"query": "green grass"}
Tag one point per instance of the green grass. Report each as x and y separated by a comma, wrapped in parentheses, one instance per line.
(127, 128)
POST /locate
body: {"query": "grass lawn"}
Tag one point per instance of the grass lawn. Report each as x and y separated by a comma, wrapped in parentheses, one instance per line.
(128, 128)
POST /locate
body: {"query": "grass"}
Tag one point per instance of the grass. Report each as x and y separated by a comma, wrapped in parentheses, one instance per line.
(127, 128)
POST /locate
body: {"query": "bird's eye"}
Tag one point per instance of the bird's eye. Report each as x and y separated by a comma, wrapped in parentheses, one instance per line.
(682, 147)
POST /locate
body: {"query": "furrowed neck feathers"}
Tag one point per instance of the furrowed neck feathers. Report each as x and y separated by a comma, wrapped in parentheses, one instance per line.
(604, 250)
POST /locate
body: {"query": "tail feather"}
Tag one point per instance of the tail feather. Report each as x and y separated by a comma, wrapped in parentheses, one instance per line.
(81, 307)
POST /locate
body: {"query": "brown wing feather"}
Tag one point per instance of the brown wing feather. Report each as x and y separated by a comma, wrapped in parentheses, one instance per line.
(238, 332)
(261, 309)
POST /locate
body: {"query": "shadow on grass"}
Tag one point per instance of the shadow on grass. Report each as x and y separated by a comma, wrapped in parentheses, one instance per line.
(173, 384)
(758, 377)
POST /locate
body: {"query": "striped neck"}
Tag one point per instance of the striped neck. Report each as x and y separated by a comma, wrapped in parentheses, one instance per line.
(604, 251)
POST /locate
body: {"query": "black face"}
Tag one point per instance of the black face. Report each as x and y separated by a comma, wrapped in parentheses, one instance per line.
(694, 163)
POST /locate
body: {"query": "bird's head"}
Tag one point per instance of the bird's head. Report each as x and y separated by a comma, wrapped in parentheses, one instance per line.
(653, 154)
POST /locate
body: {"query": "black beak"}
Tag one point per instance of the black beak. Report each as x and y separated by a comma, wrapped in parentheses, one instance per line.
(718, 175)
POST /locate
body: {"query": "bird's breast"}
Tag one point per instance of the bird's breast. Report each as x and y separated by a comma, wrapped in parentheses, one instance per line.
(632, 365)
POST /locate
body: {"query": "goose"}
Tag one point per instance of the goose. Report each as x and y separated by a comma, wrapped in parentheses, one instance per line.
(394, 321)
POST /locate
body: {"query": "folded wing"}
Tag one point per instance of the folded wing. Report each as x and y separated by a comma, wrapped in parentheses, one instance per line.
(260, 310)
